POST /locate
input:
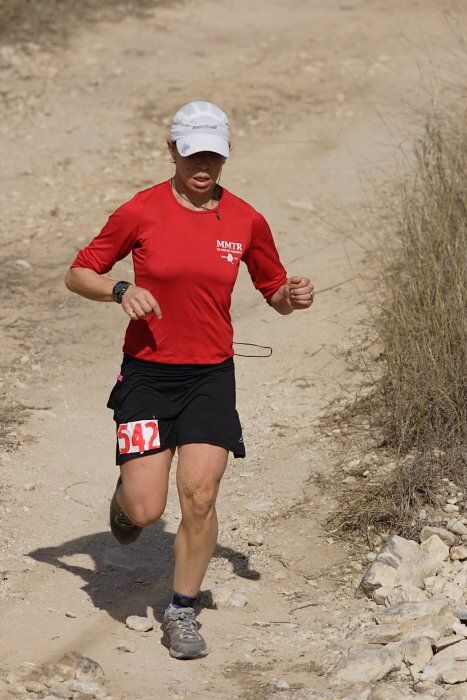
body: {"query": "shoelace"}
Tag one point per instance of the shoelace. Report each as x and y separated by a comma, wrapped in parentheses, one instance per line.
(187, 625)
(122, 520)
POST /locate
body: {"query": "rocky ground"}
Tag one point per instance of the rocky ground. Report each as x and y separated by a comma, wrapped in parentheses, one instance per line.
(317, 107)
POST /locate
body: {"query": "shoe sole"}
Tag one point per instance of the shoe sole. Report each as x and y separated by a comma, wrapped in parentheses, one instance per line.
(180, 655)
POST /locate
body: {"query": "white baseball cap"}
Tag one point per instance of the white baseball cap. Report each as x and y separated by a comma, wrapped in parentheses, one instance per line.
(201, 126)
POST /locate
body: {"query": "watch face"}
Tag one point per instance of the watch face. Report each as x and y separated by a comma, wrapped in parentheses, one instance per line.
(119, 289)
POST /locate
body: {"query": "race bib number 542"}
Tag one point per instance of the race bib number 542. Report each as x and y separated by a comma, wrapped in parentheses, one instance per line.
(138, 436)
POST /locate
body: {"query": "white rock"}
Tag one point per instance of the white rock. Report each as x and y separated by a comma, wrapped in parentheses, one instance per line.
(405, 594)
(451, 663)
(445, 535)
(237, 600)
(418, 652)
(450, 508)
(70, 613)
(256, 540)
(458, 526)
(85, 687)
(226, 598)
(459, 553)
(381, 594)
(445, 642)
(401, 562)
(140, 624)
(367, 665)
(436, 549)
(375, 637)
(421, 618)
(281, 684)
(29, 487)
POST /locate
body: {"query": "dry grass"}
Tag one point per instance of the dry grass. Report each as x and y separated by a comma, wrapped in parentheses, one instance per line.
(420, 401)
(422, 325)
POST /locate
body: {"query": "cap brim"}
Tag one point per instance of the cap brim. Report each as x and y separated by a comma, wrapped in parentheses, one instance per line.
(194, 143)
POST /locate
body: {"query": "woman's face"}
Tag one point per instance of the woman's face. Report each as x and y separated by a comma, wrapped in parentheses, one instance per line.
(198, 173)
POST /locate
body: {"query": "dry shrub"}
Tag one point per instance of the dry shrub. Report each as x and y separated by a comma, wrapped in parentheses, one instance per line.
(420, 401)
(422, 325)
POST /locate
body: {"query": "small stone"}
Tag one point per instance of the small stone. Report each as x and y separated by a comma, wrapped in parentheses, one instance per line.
(459, 553)
(70, 613)
(281, 684)
(457, 526)
(29, 487)
(139, 624)
(279, 575)
(445, 535)
(85, 687)
(450, 508)
(356, 565)
(24, 263)
(451, 500)
(237, 600)
(370, 556)
(255, 540)
(124, 645)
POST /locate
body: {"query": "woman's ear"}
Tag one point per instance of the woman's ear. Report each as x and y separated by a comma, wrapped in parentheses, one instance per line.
(172, 147)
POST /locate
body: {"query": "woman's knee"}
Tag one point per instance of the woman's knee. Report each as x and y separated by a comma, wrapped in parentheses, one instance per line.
(143, 514)
(141, 509)
(198, 501)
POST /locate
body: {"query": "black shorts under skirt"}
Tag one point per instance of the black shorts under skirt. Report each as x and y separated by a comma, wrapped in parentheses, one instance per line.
(159, 405)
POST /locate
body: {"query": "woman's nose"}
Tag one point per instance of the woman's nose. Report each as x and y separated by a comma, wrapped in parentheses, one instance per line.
(203, 159)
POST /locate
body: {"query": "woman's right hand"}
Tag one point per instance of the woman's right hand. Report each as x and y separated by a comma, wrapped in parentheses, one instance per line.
(138, 303)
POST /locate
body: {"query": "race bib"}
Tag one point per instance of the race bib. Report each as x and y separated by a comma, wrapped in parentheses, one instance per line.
(138, 436)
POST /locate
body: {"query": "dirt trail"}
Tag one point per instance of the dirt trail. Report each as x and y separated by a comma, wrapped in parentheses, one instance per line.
(318, 94)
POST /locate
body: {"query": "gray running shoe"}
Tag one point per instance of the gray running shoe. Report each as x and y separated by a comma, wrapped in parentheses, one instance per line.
(181, 634)
(122, 528)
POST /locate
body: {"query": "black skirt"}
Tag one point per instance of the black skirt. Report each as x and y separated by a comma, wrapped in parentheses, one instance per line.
(158, 405)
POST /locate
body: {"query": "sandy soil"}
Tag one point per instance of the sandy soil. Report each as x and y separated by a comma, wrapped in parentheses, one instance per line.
(319, 95)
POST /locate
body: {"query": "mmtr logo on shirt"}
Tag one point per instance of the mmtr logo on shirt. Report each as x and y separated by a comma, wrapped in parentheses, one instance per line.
(233, 251)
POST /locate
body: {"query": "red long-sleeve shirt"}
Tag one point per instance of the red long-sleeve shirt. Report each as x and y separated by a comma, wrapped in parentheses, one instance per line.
(189, 262)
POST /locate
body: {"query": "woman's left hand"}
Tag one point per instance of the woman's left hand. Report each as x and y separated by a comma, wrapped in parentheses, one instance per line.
(299, 293)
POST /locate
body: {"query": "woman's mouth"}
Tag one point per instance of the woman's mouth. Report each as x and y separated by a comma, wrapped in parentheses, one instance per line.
(202, 181)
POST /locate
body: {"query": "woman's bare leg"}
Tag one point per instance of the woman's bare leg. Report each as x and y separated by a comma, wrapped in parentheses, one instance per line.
(200, 469)
(143, 493)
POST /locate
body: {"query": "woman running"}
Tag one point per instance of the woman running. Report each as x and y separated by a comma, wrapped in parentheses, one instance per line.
(176, 386)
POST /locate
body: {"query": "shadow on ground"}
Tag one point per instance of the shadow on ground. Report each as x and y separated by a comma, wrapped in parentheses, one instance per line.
(126, 580)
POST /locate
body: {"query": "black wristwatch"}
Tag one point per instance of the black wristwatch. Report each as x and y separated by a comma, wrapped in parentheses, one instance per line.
(119, 290)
